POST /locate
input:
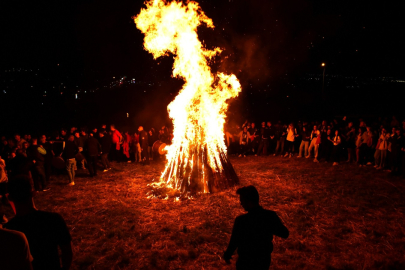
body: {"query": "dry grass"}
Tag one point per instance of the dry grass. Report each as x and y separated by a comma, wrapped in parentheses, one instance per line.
(341, 217)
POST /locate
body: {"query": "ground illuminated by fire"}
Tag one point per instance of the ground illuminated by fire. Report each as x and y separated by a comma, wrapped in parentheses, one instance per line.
(339, 217)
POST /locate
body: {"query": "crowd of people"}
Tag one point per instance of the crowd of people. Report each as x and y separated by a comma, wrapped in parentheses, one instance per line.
(379, 143)
(35, 239)
(40, 157)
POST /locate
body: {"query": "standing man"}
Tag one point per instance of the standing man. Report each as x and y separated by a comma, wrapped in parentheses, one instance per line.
(264, 140)
(18, 141)
(116, 141)
(105, 141)
(143, 142)
(36, 155)
(272, 134)
(83, 142)
(93, 149)
(46, 232)
(315, 141)
(48, 157)
(252, 233)
(254, 137)
(69, 154)
(63, 135)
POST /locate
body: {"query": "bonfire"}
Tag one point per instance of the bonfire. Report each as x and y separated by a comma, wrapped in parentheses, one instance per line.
(197, 158)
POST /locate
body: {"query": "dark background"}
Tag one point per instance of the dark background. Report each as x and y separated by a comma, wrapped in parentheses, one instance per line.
(274, 47)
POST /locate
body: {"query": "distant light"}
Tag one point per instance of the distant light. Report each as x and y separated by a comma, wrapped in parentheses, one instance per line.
(85, 92)
(58, 64)
(76, 96)
(127, 114)
(323, 64)
(4, 91)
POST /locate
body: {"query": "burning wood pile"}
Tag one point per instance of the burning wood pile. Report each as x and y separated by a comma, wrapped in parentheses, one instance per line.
(197, 159)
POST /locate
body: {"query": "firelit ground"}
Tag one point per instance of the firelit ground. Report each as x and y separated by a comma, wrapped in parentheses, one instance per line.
(339, 217)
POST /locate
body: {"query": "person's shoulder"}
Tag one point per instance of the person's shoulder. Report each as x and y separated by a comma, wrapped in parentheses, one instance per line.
(14, 237)
(241, 217)
(48, 215)
(270, 214)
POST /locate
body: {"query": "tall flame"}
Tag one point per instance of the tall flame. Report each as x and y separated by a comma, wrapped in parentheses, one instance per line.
(198, 111)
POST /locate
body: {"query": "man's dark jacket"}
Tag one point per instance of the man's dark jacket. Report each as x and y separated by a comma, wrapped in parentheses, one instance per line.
(252, 236)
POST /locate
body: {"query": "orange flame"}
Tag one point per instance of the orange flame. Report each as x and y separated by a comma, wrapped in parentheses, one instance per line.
(198, 111)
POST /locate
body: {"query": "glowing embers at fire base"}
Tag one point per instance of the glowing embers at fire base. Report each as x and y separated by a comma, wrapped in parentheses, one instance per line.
(196, 160)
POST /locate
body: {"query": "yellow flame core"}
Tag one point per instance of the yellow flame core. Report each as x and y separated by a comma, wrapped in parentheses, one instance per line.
(198, 111)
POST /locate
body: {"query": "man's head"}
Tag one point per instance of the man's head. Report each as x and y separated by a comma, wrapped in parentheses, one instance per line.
(101, 134)
(263, 124)
(140, 128)
(63, 132)
(249, 197)
(43, 139)
(71, 138)
(17, 137)
(269, 124)
(34, 141)
(77, 134)
(252, 125)
(112, 127)
(83, 132)
(25, 146)
(19, 189)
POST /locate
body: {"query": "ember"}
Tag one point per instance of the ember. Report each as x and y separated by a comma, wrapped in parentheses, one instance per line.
(197, 158)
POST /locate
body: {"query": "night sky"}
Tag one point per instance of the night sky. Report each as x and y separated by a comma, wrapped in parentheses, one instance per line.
(262, 38)
(263, 41)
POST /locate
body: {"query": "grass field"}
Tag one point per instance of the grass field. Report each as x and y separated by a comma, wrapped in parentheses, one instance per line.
(340, 217)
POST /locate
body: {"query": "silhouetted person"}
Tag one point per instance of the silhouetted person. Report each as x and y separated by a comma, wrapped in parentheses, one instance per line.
(252, 233)
(69, 154)
(93, 149)
(14, 251)
(143, 141)
(105, 141)
(45, 231)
